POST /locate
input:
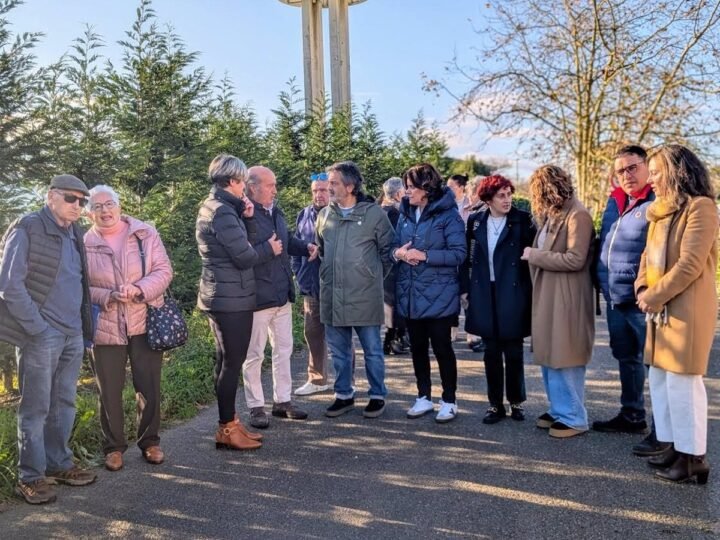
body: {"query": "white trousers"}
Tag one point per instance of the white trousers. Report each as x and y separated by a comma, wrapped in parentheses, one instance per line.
(680, 410)
(275, 323)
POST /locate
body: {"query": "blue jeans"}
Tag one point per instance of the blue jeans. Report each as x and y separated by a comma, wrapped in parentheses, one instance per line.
(339, 339)
(48, 369)
(565, 389)
(627, 328)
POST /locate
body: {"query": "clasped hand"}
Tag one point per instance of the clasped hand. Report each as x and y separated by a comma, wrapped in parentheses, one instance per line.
(410, 255)
(127, 293)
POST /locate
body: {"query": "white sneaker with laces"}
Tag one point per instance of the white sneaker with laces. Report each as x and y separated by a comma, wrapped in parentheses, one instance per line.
(311, 388)
(421, 407)
(447, 412)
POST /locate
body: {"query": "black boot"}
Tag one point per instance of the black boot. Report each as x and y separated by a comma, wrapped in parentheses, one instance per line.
(665, 459)
(685, 468)
(389, 337)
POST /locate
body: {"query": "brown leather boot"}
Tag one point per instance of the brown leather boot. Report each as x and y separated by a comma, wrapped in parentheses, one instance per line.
(230, 437)
(685, 468)
(249, 434)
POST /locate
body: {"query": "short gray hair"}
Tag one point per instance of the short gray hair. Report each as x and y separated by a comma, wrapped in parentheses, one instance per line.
(392, 186)
(102, 188)
(349, 173)
(226, 167)
(472, 185)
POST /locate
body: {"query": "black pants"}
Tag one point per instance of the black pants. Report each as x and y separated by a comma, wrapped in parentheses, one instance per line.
(512, 374)
(437, 332)
(145, 366)
(232, 337)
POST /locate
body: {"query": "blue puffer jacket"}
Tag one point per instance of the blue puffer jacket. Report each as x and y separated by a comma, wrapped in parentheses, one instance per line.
(622, 240)
(307, 273)
(431, 289)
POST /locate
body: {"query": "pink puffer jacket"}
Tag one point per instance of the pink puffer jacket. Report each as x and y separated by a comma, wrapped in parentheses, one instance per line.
(118, 320)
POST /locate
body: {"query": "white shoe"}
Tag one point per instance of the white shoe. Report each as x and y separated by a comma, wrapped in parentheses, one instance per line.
(422, 406)
(311, 388)
(447, 412)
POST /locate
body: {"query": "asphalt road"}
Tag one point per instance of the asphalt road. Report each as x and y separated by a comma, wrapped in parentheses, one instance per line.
(391, 477)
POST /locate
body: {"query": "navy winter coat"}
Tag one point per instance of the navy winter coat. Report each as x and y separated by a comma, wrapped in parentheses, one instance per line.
(513, 287)
(307, 273)
(622, 241)
(430, 290)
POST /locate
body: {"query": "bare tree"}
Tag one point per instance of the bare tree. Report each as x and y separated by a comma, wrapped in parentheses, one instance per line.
(576, 78)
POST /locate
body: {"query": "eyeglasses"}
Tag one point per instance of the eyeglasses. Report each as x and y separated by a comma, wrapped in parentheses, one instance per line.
(72, 199)
(319, 176)
(630, 169)
(109, 205)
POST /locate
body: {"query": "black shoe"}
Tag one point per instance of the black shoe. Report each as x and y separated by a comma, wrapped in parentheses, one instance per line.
(374, 408)
(340, 406)
(396, 347)
(386, 349)
(288, 410)
(517, 412)
(405, 341)
(620, 424)
(664, 460)
(494, 415)
(650, 446)
(544, 421)
(478, 346)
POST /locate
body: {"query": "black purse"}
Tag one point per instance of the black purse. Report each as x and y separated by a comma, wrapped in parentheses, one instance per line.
(166, 326)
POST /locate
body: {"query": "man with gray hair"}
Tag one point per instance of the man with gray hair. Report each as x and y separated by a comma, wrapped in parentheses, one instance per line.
(275, 291)
(45, 312)
(353, 236)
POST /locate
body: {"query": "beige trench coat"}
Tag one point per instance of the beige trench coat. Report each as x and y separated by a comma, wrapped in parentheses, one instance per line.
(687, 289)
(563, 316)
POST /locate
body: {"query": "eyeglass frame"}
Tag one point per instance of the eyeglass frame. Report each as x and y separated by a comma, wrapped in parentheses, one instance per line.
(69, 198)
(630, 169)
(320, 177)
(110, 205)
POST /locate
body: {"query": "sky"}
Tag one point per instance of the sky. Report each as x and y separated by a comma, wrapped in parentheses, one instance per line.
(258, 44)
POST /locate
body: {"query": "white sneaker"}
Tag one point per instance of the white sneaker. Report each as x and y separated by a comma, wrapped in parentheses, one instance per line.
(311, 388)
(447, 412)
(422, 406)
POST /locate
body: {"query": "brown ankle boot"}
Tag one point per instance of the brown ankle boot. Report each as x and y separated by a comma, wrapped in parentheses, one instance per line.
(229, 437)
(686, 467)
(245, 431)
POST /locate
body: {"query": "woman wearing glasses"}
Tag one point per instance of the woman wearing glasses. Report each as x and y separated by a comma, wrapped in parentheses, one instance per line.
(676, 289)
(122, 288)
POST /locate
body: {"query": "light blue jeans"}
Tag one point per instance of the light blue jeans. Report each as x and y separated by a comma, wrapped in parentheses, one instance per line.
(565, 389)
(339, 340)
(48, 369)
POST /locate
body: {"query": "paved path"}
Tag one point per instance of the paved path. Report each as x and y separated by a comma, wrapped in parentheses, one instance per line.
(394, 478)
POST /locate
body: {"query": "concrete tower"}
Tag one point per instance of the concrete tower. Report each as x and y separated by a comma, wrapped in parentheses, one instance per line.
(313, 51)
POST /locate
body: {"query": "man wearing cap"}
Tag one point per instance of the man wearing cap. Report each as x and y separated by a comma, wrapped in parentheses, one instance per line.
(45, 312)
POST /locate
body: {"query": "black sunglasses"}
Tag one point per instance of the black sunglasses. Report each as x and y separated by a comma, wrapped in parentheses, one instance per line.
(72, 199)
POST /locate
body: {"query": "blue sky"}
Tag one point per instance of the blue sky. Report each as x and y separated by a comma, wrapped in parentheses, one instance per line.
(258, 43)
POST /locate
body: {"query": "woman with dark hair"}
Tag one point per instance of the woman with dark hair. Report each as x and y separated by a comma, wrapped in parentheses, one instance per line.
(497, 292)
(429, 247)
(457, 184)
(563, 315)
(227, 288)
(676, 290)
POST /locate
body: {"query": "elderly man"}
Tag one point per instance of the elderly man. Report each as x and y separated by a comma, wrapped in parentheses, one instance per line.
(622, 241)
(274, 293)
(307, 273)
(45, 312)
(354, 237)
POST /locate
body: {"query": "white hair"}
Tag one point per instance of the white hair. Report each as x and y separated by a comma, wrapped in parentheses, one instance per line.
(102, 188)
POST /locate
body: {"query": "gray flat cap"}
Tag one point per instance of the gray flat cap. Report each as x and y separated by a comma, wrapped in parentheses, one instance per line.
(69, 182)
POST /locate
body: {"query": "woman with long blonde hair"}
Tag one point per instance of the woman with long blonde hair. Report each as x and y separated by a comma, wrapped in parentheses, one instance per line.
(563, 320)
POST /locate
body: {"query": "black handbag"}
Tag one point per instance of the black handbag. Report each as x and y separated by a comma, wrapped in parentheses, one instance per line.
(166, 326)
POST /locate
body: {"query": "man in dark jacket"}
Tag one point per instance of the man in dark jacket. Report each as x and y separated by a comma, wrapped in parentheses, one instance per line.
(622, 240)
(275, 291)
(307, 273)
(45, 312)
(353, 236)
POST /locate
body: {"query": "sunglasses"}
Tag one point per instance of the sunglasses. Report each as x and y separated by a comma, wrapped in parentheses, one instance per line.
(72, 199)
(319, 176)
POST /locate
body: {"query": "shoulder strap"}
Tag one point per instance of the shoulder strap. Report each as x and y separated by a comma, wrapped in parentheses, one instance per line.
(142, 254)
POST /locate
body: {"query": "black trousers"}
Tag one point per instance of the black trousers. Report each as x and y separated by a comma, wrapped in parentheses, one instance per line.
(437, 332)
(232, 337)
(511, 375)
(145, 366)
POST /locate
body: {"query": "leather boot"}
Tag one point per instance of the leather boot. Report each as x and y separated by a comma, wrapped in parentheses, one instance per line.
(229, 437)
(665, 459)
(686, 467)
(249, 434)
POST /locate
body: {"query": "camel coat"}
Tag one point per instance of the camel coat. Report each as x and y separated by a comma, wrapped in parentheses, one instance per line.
(563, 316)
(687, 289)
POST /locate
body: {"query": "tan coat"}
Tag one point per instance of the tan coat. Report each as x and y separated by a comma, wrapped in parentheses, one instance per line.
(687, 289)
(563, 316)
